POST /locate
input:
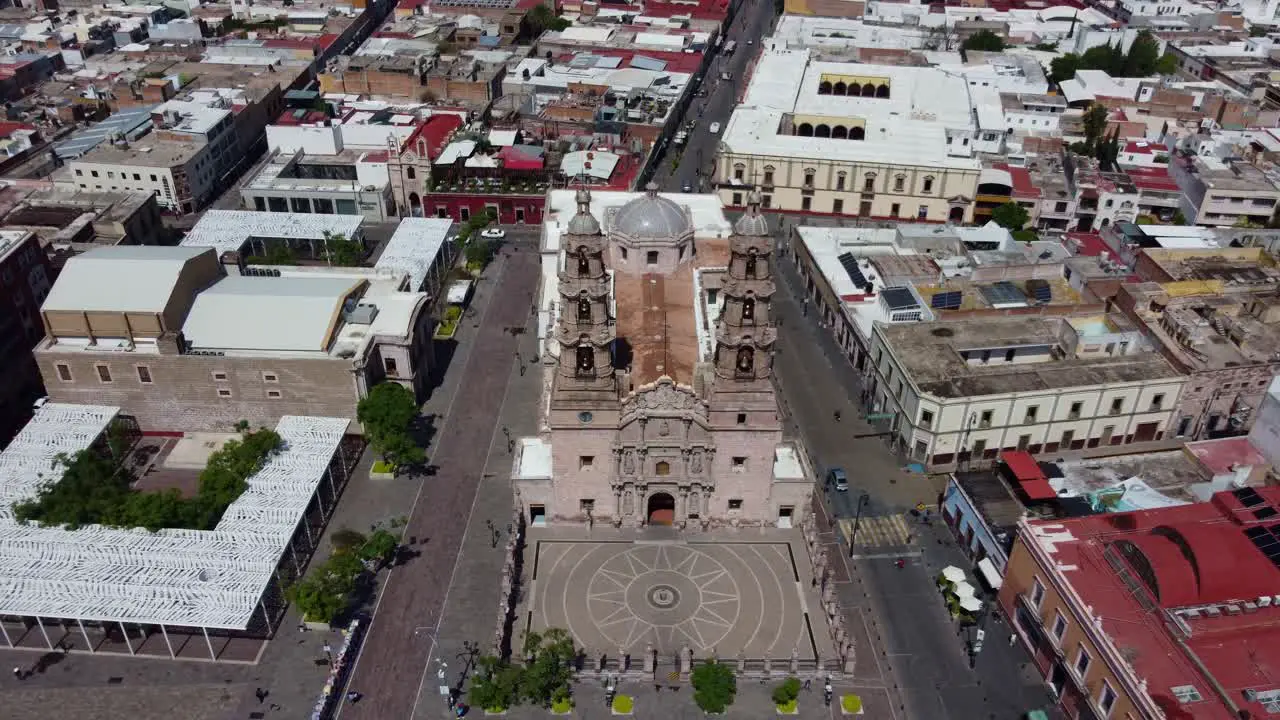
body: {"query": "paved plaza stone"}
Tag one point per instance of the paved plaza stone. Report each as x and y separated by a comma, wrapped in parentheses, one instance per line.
(730, 595)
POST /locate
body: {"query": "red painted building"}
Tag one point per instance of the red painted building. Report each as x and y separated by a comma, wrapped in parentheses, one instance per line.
(511, 209)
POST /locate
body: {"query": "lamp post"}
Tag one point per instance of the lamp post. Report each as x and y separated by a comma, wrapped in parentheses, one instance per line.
(863, 499)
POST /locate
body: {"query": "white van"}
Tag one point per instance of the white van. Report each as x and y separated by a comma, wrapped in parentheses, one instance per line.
(715, 128)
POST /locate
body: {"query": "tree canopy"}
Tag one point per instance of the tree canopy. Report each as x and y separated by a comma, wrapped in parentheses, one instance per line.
(548, 668)
(1095, 124)
(1011, 216)
(985, 41)
(342, 251)
(714, 686)
(93, 489)
(386, 414)
(1142, 60)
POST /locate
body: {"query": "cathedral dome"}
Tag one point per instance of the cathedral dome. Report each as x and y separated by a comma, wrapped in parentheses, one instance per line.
(584, 223)
(650, 217)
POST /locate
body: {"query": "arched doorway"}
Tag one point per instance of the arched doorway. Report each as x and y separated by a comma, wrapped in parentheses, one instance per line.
(662, 509)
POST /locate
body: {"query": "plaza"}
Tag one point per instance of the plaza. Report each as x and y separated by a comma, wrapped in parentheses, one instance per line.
(745, 596)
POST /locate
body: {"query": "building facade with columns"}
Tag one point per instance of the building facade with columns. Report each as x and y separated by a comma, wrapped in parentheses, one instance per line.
(659, 405)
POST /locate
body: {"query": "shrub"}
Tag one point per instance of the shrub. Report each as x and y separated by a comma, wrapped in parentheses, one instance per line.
(851, 704)
(344, 539)
(623, 704)
(787, 691)
(386, 413)
(561, 706)
(382, 466)
(714, 686)
(449, 321)
(495, 686)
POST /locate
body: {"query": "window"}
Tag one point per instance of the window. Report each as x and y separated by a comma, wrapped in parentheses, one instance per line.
(224, 393)
(869, 184)
(651, 257)
(1032, 411)
(735, 504)
(64, 372)
(410, 173)
(586, 462)
(1037, 593)
(1157, 401)
(93, 173)
(837, 206)
(899, 183)
(926, 418)
(270, 377)
(1186, 694)
(1059, 627)
(739, 171)
(144, 374)
(808, 177)
(768, 176)
(742, 418)
(806, 203)
(274, 394)
(79, 172)
(389, 365)
(923, 213)
(895, 210)
(137, 177)
(104, 373)
(662, 468)
(259, 204)
(1082, 662)
(1106, 699)
(840, 181)
(928, 185)
(624, 252)
(153, 178)
(111, 175)
(737, 200)
(739, 463)
(1074, 414)
(219, 376)
(1117, 406)
(766, 201)
(985, 420)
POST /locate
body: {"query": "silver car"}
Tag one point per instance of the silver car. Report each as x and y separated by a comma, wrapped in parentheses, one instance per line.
(838, 479)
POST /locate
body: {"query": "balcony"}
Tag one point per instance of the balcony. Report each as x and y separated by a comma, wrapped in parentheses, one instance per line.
(489, 186)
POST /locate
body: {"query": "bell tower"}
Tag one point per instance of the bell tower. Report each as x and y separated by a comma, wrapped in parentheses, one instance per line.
(745, 333)
(584, 329)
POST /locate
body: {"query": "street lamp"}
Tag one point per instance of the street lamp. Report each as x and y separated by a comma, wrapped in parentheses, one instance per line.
(863, 499)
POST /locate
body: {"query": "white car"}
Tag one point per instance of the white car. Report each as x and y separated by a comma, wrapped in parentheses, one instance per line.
(493, 234)
(715, 128)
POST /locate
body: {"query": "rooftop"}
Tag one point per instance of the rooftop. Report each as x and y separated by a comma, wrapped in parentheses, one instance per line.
(930, 356)
(228, 230)
(268, 314)
(413, 249)
(174, 577)
(149, 151)
(121, 278)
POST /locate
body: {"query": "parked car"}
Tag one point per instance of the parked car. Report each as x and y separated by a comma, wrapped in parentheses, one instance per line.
(715, 128)
(493, 233)
(688, 187)
(837, 479)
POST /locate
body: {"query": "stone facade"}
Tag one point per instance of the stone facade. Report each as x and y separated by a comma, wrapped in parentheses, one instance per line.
(644, 426)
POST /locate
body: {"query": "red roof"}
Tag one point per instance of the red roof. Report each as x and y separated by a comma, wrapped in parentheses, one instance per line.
(435, 130)
(1027, 472)
(515, 159)
(1194, 555)
(1142, 147)
(1223, 456)
(328, 39)
(1091, 245)
(291, 117)
(704, 10)
(1152, 178)
(9, 128)
(1023, 185)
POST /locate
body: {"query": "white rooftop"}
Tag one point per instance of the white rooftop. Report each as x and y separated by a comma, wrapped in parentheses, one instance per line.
(412, 249)
(190, 578)
(121, 278)
(227, 230)
(270, 314)
(590, 163)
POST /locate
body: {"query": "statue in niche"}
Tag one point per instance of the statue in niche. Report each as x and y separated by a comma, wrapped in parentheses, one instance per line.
(629, 463)
(584, 265)
(693, 502)
(627, 500)
(696, 465)
(746, 363)
(664, 429)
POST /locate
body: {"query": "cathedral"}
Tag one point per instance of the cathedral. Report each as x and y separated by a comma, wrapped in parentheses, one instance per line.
(659, 407)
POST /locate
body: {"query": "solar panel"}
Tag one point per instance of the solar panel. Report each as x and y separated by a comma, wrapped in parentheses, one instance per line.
(1040, 290)
(1254, 532)
(1265, 513)
(1248, 497)
(1004, 294)
(950, 300)
(899, 298)
(850, 264)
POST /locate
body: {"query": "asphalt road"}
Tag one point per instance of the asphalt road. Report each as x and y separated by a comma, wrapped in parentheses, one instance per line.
(697, 157)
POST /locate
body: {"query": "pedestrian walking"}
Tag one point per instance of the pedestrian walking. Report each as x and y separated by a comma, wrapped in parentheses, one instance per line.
(1013, 638)
(260, 694)
(17, 673)
(837, 415)
(807, 683)
(353, 697)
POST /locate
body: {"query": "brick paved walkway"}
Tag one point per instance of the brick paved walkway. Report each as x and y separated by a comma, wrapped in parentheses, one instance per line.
(390, 667)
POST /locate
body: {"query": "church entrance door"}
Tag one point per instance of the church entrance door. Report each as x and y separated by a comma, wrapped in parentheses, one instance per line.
(662, 509)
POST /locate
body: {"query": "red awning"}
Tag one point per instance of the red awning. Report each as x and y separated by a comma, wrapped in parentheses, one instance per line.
(1022, 465)
(1038, 489)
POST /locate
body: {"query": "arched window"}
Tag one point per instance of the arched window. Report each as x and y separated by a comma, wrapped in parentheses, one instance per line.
(841, 132)
(586, 358)
(857, 133)
(868, 90)
(840, 89)
(746, 360)
(749, 310)
(410, 173)
(662, 468)
(751, 263)
(584, 308)
(805, 130)
(824, 88)
(882, 91)
(422, 148)
(584, 263)
(822, 131)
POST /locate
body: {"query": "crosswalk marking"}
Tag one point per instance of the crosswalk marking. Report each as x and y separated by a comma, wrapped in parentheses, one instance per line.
(878, 531)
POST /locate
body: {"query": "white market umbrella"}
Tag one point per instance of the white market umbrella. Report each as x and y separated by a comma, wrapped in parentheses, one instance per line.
(970, 604)
(963, 590)
(953, 574)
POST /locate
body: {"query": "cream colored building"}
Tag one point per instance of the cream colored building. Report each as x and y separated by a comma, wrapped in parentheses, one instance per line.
(853, 139)
(959, 392)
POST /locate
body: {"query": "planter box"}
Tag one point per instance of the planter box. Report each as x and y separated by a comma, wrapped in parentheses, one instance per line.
(780, 711)
(495, 713)
(317, 626)
(382, 475)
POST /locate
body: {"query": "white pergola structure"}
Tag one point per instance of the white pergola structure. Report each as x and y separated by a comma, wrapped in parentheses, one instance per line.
(185, 578)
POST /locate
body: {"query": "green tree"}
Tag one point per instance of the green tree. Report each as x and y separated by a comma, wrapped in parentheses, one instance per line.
(279, 253)
(1097, 57)
(341, 251)
(316, 601)
(496, 685)
(380, 546)
(1095, 123)
(714, 686)
(1064, 67)
(1143, 55)
(1011, 216)
(479, 251)
(984, 41)
(548, 669)
(386, 414)
(1167, 64)
(1178, 218)
(1258, 31)
(786, 691)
